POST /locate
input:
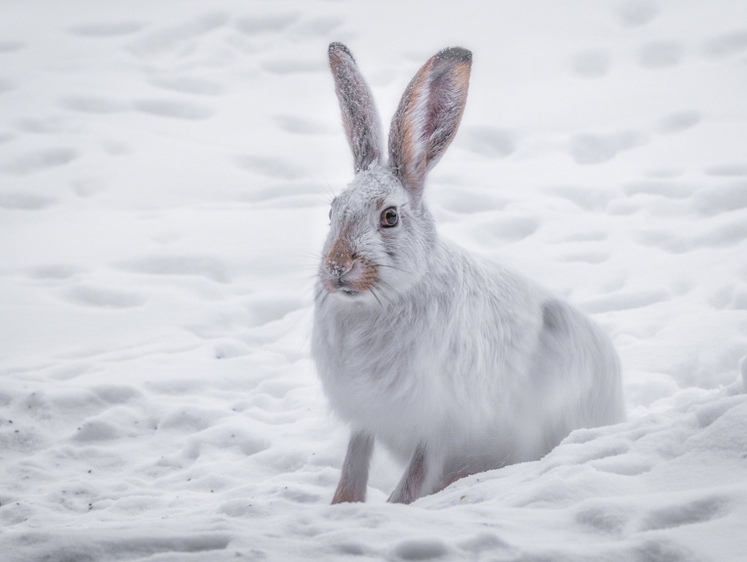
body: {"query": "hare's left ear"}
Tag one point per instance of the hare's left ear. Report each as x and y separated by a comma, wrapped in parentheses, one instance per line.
(359, 115)
(428, 117)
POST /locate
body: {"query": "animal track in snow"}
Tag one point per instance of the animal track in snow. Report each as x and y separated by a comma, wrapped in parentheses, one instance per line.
(670, 190)
(721, 198)
(660, 54)
(677, 122)
(318, 27)
(724, 234)
(272, 167)
(726, 45)
(301, 125)
(161, 41)
(207, 267)
(188, 84)
(512, 229)
(588, 198)
(727, 170)
(423, 549)
(699, 511)
(173, 109)
(595, 149)
(593, 63)
(293, 66)
(103, 298)
(268, 24)
(608, 519)
(10, 46)
(487, 141)
(467, 201)
(106, 29)
(90, 104)
(624, 301)
(25, 201)
(41, 160)
(635, 13)
(587, 257)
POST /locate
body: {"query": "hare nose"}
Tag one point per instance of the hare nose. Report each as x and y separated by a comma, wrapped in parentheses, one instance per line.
(339, 259)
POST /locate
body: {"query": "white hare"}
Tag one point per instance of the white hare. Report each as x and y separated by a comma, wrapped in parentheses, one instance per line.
(455, 365)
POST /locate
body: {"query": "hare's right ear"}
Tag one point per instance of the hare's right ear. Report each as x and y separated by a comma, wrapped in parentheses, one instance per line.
(359, 115)
(428, 117)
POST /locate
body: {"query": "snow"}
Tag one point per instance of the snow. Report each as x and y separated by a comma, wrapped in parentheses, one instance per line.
(165, 174)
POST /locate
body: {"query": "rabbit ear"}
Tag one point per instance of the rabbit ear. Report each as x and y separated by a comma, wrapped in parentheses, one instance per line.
(428, 116)
(359, 115)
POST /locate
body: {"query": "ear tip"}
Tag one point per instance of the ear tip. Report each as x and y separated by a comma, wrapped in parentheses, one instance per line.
(455, 54)
(335, 47)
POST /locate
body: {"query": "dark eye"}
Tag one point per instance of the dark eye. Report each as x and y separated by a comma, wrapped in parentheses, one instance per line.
(389, 217)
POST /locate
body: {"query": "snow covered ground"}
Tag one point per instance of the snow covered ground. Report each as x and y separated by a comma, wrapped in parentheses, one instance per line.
(165, 172)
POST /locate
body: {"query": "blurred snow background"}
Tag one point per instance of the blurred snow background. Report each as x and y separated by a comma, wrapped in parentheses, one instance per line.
(165, 172)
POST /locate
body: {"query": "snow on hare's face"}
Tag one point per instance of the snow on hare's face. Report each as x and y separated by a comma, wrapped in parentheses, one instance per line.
(375, 244)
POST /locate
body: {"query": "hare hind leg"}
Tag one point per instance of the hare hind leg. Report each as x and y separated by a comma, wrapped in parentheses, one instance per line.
(354, 479)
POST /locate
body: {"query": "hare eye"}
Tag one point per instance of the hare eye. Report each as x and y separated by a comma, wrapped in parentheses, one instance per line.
(389, 217)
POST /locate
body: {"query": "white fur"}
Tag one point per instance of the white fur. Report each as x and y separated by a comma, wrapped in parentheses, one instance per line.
(461, 359)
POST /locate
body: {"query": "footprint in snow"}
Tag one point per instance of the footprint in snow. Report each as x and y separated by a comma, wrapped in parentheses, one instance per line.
(488, 141)
(102, 298)
(113, 29)
(677, 122)
(41, 160)
(660, 54)
(164, 40)
(188, 85)
(587, 198)
(319, 27)
(667, 189)
(635, 13)
(698, 511)
(272, 167)
(724, 234)
(624, 301)
(301, 125)
(421, 549)
(10, 46)
(721, 199)
(293, 66)
(269, 24)
(595, 149)
(92, 104)
(736, 169)
(730, 44)
(25, 201)
(210, 268)
(173, 109)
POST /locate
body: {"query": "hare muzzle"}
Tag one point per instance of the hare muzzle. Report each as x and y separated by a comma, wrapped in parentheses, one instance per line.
(347, 272)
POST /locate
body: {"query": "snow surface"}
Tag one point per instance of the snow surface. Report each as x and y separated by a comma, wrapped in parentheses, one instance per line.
(165, 172)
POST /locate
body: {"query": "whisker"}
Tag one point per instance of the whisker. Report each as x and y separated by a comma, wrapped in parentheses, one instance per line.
(377, 298)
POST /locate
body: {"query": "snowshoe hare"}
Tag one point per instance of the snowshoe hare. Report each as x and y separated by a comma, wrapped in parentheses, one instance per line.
(455, 365)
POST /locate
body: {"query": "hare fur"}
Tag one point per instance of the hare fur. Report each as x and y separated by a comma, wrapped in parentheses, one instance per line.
(455, 364)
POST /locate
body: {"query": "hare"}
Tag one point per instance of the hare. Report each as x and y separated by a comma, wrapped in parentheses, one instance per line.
(456, 365)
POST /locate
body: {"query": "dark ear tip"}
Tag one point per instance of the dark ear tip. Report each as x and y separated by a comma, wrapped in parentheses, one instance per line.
(455, 54)
(336, 47)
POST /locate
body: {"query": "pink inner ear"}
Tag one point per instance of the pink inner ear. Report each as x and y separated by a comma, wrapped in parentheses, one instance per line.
(428, 116)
